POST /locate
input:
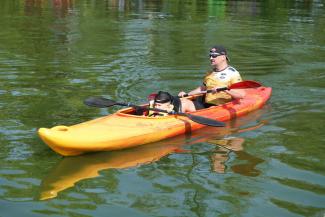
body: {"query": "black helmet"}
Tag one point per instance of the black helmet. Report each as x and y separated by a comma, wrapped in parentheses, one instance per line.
(163, 97)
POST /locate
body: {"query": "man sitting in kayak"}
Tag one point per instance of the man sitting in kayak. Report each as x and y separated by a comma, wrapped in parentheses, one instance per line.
(222, 75)
(165, 101)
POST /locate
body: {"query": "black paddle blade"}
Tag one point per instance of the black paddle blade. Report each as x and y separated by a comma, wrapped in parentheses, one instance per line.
(204, 120)
(100, 102)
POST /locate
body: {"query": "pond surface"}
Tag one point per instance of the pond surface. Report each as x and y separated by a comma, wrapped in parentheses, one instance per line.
(54, 54)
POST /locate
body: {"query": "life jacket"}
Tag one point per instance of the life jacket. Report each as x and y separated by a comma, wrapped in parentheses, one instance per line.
(224, 78)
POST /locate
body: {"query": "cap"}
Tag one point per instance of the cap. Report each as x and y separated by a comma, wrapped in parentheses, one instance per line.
(163, 97)
(219, 49)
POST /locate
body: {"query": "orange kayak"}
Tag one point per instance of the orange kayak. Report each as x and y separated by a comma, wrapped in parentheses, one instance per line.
(71, 170)
(124, 130)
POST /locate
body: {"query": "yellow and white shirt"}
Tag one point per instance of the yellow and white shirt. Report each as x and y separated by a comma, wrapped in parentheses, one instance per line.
(223, 78)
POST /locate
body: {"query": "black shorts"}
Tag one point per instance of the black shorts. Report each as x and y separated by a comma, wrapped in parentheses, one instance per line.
(199, 103)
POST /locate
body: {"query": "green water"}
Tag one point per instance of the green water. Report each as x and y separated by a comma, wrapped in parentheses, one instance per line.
(54, 54)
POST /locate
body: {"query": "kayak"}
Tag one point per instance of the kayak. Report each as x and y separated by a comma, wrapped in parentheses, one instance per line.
(71, 170)
(123, 129)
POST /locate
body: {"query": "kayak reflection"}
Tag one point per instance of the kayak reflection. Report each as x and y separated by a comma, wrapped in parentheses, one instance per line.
(73, 169)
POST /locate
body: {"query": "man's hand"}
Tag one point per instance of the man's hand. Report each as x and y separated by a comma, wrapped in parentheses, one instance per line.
(181, 94)
(218, 89)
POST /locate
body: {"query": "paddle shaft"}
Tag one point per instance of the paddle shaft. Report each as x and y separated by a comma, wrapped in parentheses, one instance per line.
(207, 91)
(238, 85)
(102, 102)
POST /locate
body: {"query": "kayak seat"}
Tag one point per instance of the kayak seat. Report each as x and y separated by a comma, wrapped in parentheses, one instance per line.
(140, 111)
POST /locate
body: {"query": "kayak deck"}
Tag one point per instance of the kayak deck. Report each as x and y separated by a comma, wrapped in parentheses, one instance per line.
(124, 130)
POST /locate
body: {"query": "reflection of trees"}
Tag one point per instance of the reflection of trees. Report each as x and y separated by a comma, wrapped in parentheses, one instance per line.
(62, 7)
(56, 52)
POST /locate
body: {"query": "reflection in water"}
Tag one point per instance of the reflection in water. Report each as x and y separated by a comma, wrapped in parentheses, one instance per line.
(73, 169)
(56, 24)
(60, 7)
(99, 48)
(247, 169)
(220, 157)
(233, 144)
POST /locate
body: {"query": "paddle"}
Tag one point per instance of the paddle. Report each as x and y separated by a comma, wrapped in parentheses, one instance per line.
(102, 102)
(238, 85)
(245, 84)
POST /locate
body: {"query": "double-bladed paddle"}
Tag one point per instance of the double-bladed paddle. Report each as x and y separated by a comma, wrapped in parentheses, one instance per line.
(102, 102)
(238, 85)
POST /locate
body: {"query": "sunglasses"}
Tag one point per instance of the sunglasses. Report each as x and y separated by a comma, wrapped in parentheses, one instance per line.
(214, 55)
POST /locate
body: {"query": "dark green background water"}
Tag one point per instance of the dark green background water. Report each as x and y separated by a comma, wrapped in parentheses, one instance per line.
(54, 54)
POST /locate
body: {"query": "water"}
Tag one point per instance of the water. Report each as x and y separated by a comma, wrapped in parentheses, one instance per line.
(54, 54)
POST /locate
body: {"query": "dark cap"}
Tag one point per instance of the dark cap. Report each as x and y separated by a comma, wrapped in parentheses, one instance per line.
(219, 49)
(163, 97)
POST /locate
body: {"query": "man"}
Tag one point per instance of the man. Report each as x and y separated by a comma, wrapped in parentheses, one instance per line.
(165, 101)
(222, 75)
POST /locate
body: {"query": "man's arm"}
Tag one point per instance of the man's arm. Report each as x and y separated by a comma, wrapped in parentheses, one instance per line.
(192, 92)
(236, 94)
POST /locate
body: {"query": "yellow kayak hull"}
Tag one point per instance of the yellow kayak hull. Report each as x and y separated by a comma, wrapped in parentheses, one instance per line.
(123, 130)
